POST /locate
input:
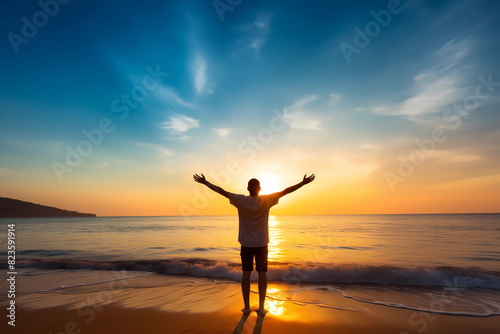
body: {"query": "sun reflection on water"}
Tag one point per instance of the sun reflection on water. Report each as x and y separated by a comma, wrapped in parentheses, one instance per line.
(275, 239)
(275, 307)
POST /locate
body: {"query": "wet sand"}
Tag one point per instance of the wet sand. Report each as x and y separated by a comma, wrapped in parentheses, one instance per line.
(86, 302)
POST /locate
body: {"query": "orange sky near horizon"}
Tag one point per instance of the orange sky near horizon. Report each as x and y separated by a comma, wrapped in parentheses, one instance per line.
(340, 190)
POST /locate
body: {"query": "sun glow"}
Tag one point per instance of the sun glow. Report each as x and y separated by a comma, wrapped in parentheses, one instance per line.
(269, 183)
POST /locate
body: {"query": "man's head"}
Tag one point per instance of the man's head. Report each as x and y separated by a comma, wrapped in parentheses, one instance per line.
(254, 187)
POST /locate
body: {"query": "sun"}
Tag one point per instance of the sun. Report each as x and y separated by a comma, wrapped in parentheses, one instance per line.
(269, 183)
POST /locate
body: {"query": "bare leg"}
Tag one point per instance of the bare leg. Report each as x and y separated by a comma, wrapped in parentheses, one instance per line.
(245, 290)
(262, 291)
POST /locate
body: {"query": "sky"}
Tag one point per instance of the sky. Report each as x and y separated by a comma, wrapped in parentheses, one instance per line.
(110, 107)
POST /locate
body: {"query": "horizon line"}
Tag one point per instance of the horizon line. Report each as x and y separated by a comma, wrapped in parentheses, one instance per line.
(330, 214)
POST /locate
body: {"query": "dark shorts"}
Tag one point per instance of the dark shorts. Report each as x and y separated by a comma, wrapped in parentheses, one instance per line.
(247, 254)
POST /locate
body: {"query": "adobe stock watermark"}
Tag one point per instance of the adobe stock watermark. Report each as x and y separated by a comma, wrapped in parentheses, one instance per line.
(247, 149)
(30, 27)
(452, 117)
(121, 107)
(222, 6)
(421, 319)
(88, 309)
(323, 253)
(363, 37)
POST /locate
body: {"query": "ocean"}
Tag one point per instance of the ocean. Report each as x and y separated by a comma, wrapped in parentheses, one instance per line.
(403, 261)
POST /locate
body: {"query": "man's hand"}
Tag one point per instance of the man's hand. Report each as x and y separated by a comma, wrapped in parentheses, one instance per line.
(200, 179)
(307, 179)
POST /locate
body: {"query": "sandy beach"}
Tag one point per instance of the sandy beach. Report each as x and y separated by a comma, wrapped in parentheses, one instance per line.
(87, 301)
(116, 319)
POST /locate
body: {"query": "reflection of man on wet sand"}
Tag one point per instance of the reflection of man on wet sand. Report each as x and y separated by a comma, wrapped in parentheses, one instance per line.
(253, 213)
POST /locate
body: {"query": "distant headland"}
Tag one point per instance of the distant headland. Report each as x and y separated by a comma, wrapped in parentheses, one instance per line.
(12, 208)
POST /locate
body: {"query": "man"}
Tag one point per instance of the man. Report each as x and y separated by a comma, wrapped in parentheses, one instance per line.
(253, 213)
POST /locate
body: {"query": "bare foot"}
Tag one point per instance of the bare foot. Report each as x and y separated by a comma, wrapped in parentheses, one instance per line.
(261, 312)
(246, 311)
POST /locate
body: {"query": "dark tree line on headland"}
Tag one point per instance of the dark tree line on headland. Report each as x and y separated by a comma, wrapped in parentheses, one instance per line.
(10, 208)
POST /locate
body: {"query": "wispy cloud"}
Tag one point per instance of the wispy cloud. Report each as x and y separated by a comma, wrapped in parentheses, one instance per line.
(169, 95)
(300, 118)
(223, 132)
(178, 125)
(200, 73)
(158, 148)
(258, 31)
(334, 98)
(434, 88)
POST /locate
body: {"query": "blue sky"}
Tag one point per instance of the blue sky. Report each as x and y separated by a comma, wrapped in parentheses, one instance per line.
(349, 119)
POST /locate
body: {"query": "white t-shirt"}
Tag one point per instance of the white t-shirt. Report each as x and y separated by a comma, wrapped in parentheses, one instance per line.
(253, 213)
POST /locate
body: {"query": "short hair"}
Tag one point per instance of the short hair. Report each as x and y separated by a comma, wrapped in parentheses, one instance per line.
(253, 183)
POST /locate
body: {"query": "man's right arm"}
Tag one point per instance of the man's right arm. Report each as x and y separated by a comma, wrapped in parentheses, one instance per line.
(306, 180)
(201, 179)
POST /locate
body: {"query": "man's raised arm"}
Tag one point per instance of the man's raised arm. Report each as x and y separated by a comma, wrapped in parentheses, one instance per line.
(201, 179)
(306, 180)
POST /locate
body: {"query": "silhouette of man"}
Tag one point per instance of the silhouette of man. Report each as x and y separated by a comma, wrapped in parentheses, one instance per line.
(253, 214)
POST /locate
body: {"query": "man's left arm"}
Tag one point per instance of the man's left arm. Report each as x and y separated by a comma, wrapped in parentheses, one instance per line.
(306, 180)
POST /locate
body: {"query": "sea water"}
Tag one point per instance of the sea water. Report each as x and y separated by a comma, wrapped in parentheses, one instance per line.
(370, 258)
